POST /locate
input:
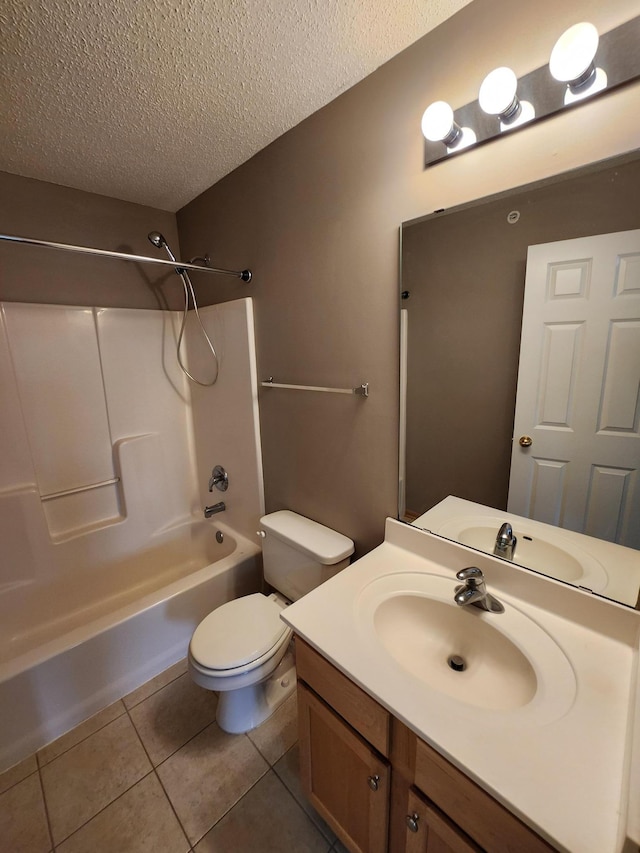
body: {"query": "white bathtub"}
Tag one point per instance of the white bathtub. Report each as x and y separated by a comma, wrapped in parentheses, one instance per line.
(68, 651)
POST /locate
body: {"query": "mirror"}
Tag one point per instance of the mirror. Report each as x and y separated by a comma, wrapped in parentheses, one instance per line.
(463, 276)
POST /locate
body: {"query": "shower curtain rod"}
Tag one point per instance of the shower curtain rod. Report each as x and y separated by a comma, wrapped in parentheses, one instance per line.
(245, 275)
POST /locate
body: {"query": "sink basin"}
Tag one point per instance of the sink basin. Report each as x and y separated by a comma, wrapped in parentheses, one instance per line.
(493, 661)
(550, 553)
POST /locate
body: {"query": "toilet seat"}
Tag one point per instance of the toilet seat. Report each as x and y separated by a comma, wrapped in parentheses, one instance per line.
(239, 636)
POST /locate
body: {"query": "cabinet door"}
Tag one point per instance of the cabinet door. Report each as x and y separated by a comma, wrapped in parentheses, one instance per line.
(429, 831)
(345, 780)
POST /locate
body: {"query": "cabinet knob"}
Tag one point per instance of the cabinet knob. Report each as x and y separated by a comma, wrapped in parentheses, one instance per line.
(373, 782)
(412, 821)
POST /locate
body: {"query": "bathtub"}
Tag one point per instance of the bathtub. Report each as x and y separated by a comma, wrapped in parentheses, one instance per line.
(73, 648)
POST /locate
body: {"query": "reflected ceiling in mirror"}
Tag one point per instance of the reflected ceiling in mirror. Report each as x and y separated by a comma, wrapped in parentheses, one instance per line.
(463, 276)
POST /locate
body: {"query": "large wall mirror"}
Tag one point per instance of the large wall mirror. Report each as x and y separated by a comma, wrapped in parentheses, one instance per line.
(463, 287)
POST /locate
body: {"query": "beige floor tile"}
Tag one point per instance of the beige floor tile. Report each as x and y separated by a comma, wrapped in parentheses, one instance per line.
(139, 821)
(80, 732)
(208, 776)
(82, 781)
(160, 681)
(267, 819)
(279, 733)
(23, 822)
(172, 716)
(17, 773)
(288, 769)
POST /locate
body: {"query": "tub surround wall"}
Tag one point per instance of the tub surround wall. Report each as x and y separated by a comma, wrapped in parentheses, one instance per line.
(316, 216)
(92, 395)
(226, 426)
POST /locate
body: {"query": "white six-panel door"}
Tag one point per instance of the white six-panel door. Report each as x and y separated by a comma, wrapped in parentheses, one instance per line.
(578, 396)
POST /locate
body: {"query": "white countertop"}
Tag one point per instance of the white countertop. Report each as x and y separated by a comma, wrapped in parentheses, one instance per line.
(564, 771)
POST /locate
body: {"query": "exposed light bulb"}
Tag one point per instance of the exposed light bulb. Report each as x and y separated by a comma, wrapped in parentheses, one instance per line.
(497, 94)
(572, 56)
(438, 124)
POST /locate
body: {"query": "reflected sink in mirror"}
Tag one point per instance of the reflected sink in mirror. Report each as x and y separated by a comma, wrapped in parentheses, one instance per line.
(551, 554)
(497, 662)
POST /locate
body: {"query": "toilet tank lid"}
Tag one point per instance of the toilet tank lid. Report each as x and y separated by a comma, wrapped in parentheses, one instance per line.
(322, 544)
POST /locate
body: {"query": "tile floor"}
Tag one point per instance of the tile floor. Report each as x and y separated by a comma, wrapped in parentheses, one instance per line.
(153, 773)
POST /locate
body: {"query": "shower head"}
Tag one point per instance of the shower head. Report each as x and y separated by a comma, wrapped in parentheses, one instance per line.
(157, 239)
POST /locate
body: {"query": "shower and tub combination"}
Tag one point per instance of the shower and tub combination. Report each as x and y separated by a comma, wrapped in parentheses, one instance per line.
(108, 563)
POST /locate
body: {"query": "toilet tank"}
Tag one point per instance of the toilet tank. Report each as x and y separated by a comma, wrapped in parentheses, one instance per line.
(299, 554)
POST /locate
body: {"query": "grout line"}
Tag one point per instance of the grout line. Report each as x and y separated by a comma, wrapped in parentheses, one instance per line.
(177, 749)
(153, 693)
(82, 740)
(137, 734)
(172, 807)
(124, 711)
(115, 799)
(155, 772)
(239, 800)
(37, 768)
(46, 810)
(332, 840)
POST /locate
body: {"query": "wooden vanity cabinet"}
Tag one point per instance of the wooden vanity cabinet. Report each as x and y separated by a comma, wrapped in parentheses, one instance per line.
(427, 830)
(380, 787)
(345, 780)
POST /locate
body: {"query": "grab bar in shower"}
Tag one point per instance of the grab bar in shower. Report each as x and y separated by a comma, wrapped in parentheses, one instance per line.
(79, 489)
(360, 391)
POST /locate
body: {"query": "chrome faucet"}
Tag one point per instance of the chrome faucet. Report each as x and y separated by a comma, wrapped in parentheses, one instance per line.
(474, 591)
(212, 510)
(505, 542)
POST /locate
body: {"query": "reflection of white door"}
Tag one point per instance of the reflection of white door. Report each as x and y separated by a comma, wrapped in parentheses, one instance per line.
(579, 388)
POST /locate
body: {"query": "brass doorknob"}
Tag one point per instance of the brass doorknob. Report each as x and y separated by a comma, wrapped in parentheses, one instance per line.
(525, 441)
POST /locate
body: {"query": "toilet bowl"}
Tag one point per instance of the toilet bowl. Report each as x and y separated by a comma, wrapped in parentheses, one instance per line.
(243, 650)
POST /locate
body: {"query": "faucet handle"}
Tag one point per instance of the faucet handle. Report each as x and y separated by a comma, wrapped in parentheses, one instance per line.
(471, 573)
(219, 478)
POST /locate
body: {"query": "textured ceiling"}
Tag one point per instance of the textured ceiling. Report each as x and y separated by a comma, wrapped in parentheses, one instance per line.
(154, 102)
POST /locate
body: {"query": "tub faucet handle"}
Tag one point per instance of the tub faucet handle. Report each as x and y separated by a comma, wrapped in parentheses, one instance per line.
(219, 478)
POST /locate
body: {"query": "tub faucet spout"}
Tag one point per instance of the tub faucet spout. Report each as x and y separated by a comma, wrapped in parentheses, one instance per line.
(212, 510)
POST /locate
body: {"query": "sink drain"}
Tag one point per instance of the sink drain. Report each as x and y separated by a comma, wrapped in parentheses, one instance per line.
(457, 663)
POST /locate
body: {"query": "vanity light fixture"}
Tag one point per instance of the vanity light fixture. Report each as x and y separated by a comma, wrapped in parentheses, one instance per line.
(582, 64)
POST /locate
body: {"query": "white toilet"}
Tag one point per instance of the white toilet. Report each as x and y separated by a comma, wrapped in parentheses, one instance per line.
(242, 649)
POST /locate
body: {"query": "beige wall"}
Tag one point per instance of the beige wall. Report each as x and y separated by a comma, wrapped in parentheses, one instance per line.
(316, 216)
(40, 210)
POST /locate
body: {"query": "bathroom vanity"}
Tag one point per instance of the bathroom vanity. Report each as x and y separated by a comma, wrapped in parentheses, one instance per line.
(525, 744)
(380, 786)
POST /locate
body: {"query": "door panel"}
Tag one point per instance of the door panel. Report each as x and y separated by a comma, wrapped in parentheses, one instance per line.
(579, 388)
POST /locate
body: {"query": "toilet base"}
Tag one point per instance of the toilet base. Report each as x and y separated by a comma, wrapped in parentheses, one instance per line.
(243, 709)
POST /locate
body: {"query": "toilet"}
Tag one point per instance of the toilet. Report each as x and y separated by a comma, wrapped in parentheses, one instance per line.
(243, 650)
